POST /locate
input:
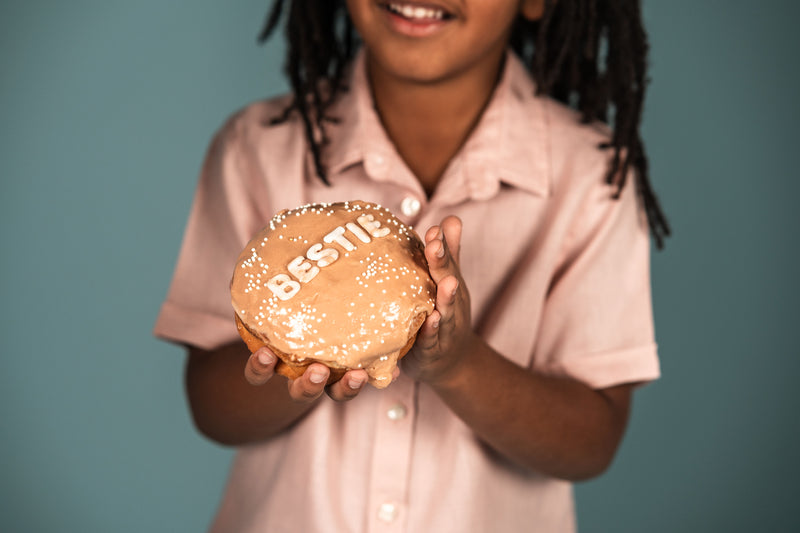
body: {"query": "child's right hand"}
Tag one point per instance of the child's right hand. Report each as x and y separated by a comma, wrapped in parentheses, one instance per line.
(307, 388)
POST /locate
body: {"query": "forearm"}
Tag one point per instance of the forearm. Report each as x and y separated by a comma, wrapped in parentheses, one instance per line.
(228, 409)
(557, 426)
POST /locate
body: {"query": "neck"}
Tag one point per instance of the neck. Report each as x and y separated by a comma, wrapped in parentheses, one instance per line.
(429, 122)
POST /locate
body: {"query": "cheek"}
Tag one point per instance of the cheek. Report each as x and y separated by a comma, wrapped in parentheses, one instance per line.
(496, 23)
(486, 26)
(359, 13)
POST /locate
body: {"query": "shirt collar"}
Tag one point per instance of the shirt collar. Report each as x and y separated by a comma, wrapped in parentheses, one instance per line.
(509, 144)
(358, 135)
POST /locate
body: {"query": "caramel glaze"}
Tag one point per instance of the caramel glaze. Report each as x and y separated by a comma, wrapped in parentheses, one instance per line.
(343, 284)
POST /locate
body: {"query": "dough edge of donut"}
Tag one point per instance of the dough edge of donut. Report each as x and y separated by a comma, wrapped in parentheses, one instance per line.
(293, 370)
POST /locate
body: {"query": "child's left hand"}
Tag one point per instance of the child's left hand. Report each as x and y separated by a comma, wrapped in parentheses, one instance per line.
(447, 333)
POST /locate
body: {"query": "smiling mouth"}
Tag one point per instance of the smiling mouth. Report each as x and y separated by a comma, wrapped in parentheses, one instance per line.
(416, 13)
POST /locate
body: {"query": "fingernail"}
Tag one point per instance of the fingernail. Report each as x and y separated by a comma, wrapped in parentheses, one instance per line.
(455, 290)
(266, 358)
(435, 325)
(440, 252)
(356, 383)
(317, 376)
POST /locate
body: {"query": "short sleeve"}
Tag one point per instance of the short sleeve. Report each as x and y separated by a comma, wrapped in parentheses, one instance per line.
(598, 322)
(197, 310)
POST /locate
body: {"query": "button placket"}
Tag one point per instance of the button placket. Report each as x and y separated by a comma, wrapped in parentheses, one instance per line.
(376, 165)
(410, 206)
(387, 512)
(391, 457)
(397, 412)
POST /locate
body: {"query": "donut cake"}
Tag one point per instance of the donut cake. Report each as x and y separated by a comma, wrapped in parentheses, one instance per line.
(342, 284)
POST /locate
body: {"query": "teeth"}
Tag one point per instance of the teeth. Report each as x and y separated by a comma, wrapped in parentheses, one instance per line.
(411, 12)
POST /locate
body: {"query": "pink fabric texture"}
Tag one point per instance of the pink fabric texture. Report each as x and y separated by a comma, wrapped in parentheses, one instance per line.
(557, 270)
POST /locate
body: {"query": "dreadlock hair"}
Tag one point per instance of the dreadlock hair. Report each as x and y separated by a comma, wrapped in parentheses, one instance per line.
(589, 54)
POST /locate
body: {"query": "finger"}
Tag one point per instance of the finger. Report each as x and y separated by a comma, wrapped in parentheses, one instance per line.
(446, 293)
(431, 234)
(428, 335)
(260, 366)
(310, 385)
(349, 386)
(452, 227)
(437, 255)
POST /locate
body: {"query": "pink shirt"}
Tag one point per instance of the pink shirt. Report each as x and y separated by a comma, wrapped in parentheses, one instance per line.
(558, 274)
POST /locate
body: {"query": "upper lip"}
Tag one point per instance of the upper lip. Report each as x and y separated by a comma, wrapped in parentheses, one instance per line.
(432, 6)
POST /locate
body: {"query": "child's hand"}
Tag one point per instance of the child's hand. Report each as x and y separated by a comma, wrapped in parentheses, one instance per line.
(308, 387)
(445, 335)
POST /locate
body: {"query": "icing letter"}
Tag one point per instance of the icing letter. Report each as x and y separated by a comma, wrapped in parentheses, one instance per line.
(283, 286)
(302, 270)
(358, 232)
(372, 226)
(338, 237)
(323, 257)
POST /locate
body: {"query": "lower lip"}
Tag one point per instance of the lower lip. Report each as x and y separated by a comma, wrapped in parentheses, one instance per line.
(414, 28)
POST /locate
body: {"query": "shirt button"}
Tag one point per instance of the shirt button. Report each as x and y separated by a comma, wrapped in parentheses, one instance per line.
(410, 206)
(387, 512)
(397, 412)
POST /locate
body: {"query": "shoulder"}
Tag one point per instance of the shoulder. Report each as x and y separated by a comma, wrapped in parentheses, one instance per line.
(570, 146)
(575, 148)
(565, 148)
(259, 161)
(259, 125)
(567, 123)
(579, 167)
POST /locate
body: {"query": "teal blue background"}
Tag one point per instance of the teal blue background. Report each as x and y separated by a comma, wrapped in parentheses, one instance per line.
(106, 108)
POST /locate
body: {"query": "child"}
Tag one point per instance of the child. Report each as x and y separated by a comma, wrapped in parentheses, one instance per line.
(521, 380)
